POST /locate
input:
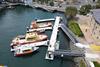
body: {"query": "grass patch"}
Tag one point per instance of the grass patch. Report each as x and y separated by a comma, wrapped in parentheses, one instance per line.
(82, 63)
(96, 64)
(74, 27)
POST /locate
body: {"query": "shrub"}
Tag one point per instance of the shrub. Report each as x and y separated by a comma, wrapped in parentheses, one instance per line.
(82, 63)
(74, 27)
(96, 64)
(51, 3)
(71, 12)
(85, 9)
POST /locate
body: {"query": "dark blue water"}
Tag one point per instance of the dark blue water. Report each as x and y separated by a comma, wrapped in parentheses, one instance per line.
(13, 22)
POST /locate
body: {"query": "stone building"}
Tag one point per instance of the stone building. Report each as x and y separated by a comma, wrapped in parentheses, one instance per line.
(90, 26)
(96, 25)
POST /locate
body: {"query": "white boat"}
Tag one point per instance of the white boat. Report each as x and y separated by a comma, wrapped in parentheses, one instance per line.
(40, 29)
(36, 44)
(35, 26)
(21, 50)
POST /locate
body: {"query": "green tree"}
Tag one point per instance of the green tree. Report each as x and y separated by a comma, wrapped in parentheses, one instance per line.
(98, 4)
(85, 9)
(71, 12)
(51, 3)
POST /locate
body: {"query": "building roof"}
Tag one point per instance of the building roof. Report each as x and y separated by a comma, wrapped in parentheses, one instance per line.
(96, 14)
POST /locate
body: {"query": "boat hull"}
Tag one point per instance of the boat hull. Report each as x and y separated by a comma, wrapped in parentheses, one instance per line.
(12, 44)
(26, 53)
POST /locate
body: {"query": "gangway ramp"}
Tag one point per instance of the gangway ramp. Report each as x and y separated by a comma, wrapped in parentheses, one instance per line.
(71, 53)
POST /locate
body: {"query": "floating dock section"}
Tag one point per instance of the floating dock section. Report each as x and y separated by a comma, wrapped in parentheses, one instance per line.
(52, 43)
(44, 20)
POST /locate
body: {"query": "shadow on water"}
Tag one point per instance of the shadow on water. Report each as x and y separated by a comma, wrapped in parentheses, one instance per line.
(2, 13)
(65, 60)
(64, 40)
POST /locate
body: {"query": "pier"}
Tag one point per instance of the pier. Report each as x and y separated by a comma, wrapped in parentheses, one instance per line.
(52, 51)
(52, 42)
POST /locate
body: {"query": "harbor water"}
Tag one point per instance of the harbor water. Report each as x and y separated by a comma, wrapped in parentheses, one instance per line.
(13, 22)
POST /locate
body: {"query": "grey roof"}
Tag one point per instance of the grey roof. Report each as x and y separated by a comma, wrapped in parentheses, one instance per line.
(96, 14)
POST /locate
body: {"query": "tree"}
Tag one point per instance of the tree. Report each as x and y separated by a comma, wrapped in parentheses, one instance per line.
(51, 3)
(98, 4)
(98, 1)
(71, 12)
(85, 9)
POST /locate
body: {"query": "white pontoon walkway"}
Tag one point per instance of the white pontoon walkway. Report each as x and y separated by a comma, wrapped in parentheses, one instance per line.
(39, 29)
(44, 20)
(52, 42)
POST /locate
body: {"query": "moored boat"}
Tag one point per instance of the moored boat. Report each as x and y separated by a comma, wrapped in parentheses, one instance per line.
(30, 37)
(39, 27)
(36, 44)
(35, 25)
(21, 50)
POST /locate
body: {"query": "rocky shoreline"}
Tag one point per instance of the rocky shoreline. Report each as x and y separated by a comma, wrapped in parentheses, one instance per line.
(35, 5)
(7, 4)
(48, 8)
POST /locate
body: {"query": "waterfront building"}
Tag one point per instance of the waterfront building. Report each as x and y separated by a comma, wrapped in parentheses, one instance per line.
(96, 25)
(90, 26)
